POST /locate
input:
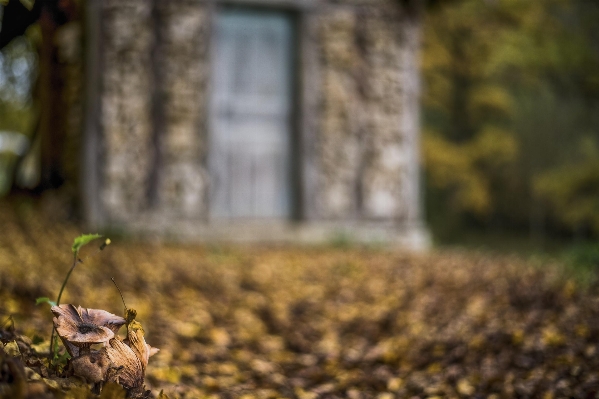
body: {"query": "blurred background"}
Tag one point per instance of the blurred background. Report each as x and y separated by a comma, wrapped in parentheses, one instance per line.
(511, 121)
(510, 117)
(509, 146)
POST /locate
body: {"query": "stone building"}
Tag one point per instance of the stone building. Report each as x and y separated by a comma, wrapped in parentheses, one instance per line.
(244, 120)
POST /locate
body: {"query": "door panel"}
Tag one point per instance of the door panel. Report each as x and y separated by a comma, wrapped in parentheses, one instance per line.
(251, 111)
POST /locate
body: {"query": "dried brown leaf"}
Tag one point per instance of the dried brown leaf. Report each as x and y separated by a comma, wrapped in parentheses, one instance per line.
(131, 371)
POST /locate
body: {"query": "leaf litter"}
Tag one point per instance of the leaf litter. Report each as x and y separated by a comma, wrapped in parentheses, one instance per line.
(305, 322)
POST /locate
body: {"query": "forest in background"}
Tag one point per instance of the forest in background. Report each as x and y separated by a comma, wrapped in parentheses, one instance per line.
(510, 117)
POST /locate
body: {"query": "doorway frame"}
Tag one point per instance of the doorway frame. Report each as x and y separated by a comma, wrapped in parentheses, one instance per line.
(304, 103)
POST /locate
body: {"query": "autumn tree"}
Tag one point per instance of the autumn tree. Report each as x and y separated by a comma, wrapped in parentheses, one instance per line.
(511, 89)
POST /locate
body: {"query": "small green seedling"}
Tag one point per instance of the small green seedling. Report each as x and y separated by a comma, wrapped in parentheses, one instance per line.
(78, 243)
(45, 299)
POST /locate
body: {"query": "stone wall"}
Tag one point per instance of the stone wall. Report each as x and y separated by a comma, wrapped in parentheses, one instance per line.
(369, 88)
(154, 110)
(154, 100)
(127, 152)
(182, 73)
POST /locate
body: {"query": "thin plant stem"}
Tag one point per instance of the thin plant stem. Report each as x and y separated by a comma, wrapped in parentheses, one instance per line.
(64, 283)
(76, 260)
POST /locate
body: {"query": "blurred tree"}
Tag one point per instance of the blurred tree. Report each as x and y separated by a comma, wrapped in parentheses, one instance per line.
(511, 87)
(46, 15)
(572, 190)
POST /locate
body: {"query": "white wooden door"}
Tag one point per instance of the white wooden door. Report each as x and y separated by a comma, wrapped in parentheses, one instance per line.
(251, 115)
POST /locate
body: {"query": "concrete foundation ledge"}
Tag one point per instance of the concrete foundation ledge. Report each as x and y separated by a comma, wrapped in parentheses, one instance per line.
(413, 237)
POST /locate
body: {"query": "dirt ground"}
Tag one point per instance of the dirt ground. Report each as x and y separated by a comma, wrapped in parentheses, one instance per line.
(312, 322)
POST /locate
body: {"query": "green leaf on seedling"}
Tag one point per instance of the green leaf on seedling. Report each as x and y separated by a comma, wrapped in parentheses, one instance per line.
(59, 359)
(83, 240)
(62, 359)
(44, 299)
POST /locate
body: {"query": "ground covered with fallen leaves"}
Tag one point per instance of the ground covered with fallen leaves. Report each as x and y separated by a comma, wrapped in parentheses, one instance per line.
(311, 322)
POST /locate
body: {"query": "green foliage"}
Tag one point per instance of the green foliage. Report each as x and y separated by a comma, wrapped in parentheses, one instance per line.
(59, 360)
(581, 262)
(45, 299)
(584, 255)
(341, 240)
(466, 170)
(82, 240)
(37, 340)
(572, 190)
(511, 90)
(78, 242)
(17, 110)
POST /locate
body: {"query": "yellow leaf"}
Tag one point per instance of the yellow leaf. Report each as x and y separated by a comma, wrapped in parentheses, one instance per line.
(395, 384)
(12, 349)
(465, 388)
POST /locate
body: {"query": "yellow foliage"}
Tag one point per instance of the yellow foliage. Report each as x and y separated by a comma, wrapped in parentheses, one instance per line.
(114, 391)
(518, 337)
(572, 190)
(12, 349)
(450, 167)
(465, 387)
(491, 98)
(465, 170)
(395, 384)
(489, 66)
(552, 337)
(494, 147)
(167, 374)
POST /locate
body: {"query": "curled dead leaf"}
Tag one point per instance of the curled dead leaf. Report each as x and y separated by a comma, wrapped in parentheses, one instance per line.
(131, 372)
(137, 342)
